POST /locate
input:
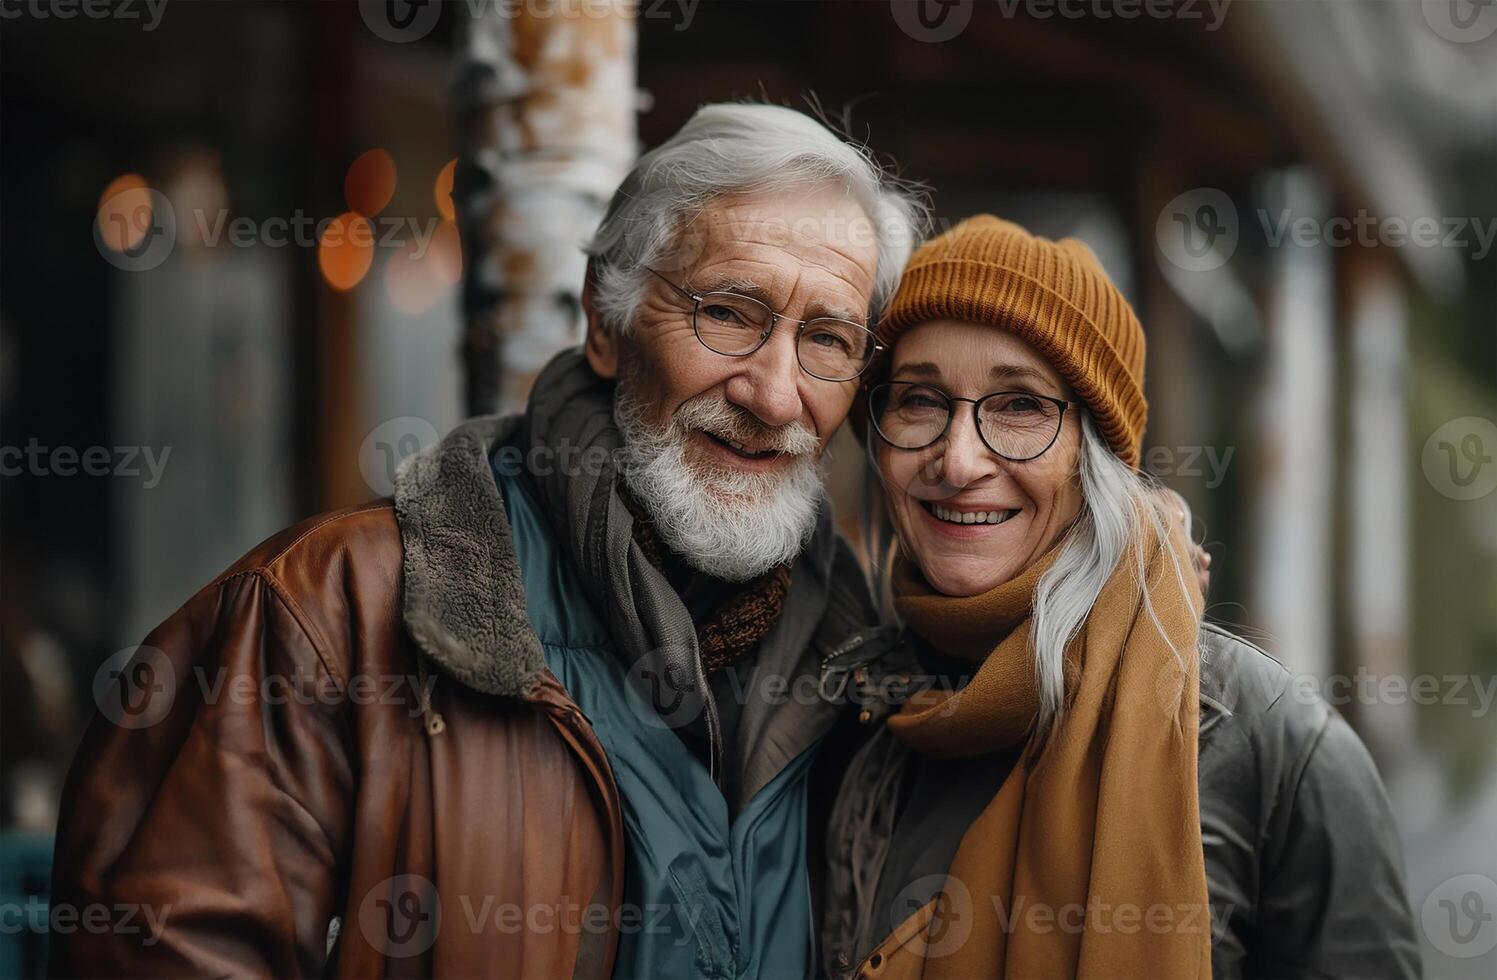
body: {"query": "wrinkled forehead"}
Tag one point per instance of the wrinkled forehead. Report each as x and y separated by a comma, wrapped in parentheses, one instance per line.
(816, 240)
(972, 358)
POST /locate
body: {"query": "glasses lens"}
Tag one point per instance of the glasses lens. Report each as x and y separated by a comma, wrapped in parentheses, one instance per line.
(731, 324)
(834, 350)
(909, 416)
(1018, 426)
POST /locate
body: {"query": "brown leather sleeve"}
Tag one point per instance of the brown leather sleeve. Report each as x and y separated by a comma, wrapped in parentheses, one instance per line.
(207, 809)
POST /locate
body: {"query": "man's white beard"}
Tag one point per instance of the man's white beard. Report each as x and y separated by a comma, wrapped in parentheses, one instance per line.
(727, 523)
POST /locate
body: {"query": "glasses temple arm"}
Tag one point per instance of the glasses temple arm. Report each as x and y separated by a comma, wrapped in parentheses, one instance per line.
(680, 289)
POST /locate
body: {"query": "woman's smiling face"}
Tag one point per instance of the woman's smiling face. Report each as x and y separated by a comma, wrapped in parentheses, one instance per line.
(929, 490)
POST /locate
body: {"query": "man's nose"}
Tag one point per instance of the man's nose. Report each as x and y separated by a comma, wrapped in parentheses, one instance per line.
(769, 384)
(966, 459)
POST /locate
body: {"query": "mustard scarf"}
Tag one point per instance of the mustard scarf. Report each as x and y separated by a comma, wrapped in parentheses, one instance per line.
(1088, 862)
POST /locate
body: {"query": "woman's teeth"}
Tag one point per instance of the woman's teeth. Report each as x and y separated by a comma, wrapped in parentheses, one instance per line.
(971, 517)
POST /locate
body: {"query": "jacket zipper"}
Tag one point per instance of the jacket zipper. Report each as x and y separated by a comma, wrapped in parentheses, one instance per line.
(714, 724)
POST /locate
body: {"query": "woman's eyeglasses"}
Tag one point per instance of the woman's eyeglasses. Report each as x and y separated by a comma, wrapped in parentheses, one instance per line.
(1016, 425)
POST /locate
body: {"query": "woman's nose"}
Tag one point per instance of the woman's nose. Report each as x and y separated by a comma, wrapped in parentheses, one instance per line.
(967, 458)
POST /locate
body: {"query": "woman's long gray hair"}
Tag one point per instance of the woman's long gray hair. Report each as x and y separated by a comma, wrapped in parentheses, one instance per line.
(1116, 502)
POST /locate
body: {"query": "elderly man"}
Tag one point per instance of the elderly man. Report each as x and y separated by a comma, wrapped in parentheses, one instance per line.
(535, 743)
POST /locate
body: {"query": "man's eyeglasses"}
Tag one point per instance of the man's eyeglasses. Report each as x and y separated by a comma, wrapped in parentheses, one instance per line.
(1017, 425)
(735, 325)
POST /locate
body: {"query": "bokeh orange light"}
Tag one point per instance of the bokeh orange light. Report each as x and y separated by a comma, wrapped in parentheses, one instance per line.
(443, 191)
(446, 253)
(124, 212)
(370, 182)
(413, 280)
(345, 250)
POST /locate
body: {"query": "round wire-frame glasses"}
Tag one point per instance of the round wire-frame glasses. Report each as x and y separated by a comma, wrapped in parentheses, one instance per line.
(734, 325)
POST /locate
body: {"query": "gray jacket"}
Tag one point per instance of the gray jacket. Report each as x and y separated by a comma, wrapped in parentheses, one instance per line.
(1303, 863)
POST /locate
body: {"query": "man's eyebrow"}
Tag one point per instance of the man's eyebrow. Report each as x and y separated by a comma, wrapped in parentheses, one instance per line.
(836, 312)
(751, 289)
(735, 284)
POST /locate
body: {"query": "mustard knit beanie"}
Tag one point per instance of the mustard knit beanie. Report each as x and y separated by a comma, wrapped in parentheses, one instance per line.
(1053, 295)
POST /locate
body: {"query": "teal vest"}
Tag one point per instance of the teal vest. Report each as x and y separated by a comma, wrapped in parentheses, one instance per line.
(705, 896)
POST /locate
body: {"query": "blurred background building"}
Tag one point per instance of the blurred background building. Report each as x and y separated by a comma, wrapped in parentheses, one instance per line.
(254, 254)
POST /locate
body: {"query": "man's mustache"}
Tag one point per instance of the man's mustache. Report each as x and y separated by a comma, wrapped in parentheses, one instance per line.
(715, 415)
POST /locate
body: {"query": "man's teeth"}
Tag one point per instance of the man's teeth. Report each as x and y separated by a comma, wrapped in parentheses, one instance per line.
(971, 517)
(741, 448)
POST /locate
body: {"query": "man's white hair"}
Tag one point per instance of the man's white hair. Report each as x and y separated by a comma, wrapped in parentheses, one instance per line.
(735, 148)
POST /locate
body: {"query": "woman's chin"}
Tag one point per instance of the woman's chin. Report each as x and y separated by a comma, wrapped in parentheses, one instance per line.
(962, 577)
(961, 559)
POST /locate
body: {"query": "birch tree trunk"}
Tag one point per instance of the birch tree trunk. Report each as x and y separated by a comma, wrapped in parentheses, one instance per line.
(545, 97)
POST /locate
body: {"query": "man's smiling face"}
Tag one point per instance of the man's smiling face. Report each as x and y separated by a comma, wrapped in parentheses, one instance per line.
(803, 254)
(743, 431)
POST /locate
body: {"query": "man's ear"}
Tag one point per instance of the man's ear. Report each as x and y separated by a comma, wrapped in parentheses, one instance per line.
(601, 345)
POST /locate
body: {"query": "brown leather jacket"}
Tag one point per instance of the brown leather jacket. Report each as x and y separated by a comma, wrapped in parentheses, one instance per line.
(277, 784)
(273, 764)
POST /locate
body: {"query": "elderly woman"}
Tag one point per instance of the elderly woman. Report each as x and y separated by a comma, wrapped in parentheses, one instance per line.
(1091, 782)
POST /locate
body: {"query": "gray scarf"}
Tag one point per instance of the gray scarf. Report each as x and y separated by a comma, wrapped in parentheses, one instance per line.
(570, 421)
